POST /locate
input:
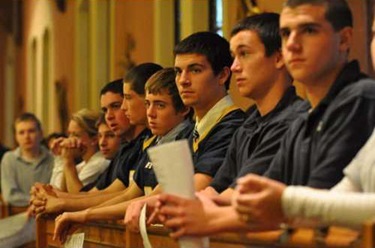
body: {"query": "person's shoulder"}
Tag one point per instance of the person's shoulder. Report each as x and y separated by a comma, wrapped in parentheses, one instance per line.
(295, 108)
(186, 132)
(235, 115)
(11, 154)
(8, 159)
(229, 123)
(364, 87)
(47, 155)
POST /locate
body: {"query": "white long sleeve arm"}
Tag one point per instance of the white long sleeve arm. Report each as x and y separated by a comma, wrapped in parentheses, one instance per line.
(306, 206)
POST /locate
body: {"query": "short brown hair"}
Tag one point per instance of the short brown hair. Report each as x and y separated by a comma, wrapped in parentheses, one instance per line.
(164, 81)
(27, 116)
(87, 119)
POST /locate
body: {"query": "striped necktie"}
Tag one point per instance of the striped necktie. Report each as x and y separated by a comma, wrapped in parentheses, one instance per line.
(195, 134)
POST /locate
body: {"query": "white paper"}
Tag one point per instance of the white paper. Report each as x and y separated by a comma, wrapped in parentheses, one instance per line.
(174, 170)
(143, 228)
(75, 240)
(173, 167)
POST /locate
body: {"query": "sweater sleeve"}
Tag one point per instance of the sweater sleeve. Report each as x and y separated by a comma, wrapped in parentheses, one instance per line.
(306, 206)
(11, 191)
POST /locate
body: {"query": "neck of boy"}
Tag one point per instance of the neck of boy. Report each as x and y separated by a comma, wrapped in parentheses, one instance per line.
(133, 134)
(201, 110)
(318, 87)
(31, 154)
(269, 100)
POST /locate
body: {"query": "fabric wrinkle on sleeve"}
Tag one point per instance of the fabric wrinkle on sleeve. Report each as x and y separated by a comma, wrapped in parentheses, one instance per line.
(227, 171)
(322, 207)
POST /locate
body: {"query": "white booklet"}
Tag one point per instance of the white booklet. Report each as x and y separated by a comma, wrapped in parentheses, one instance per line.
(173, 166)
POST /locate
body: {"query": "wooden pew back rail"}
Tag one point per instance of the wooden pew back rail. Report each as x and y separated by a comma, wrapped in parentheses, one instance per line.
(104, 234)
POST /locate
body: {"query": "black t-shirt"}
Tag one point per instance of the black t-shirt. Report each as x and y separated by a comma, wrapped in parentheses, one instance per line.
(256, 142)
(124, 162)
(321, 143)
(110, 174)
(131, 162)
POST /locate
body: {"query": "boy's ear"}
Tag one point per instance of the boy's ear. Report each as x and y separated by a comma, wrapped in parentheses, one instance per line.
(185, 111)
(224, 75)
(346, 38)
(279, 60)
(94, 140)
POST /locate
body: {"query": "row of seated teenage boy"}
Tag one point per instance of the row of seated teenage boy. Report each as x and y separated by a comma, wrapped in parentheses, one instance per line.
(74, 162)
(319, 144)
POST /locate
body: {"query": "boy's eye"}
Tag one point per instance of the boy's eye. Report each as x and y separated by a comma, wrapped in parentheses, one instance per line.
(284, 33)
(196, 70)
(116, 106)
(309, 30)
(160, 105)
(243, 53)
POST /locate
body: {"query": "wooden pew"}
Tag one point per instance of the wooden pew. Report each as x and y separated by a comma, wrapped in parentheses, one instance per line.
(8, 210)
(104, 234)
(334, 237)
(97, 234)
(368, 236)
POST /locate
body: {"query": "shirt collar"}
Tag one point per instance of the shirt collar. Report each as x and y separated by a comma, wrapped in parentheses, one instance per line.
(348, 75)
(286, 100)
(213, 114)
(44, 153)
(171, 135)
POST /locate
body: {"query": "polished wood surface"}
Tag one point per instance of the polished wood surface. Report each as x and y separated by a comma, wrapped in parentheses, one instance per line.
(8, 210)
(113, 234)
(97, 234)
(332, 237)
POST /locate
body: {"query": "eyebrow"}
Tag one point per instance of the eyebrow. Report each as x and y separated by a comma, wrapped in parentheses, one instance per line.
(189, 66)
(114, 103)
(156, 101)
(241, 46)
(195, 64)
(302, 25)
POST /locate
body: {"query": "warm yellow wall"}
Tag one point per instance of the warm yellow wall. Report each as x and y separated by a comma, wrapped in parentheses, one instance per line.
(64, 66)
(2, 78)
(133, 19)
(194, 16)
(164, 32)
(40, 16)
